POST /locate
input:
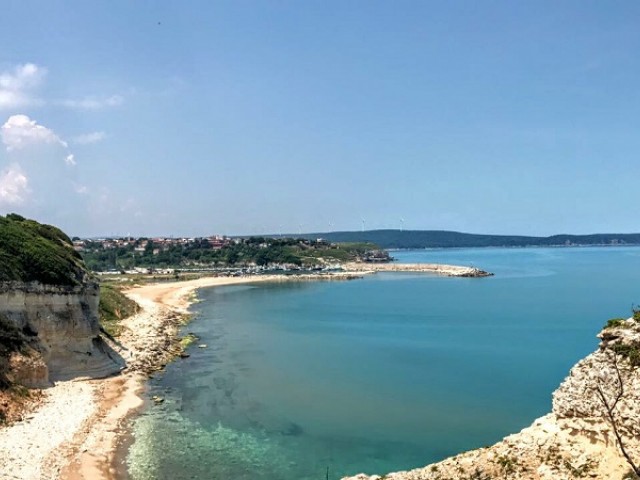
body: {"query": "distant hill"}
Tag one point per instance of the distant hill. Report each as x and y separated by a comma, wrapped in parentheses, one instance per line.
(31, 251)
(448, 239)
(121, 254)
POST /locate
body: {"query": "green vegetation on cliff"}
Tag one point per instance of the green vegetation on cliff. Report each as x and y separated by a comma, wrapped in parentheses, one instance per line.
(31, 251)
(114, 306)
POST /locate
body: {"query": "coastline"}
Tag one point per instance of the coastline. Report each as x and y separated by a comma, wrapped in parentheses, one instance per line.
(148, 347)
(73, 433)
(91, 413)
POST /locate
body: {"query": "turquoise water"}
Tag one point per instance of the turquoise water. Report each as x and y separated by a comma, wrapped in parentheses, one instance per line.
(386, 373)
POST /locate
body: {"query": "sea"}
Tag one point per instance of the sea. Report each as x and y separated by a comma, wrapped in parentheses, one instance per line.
(319, 380)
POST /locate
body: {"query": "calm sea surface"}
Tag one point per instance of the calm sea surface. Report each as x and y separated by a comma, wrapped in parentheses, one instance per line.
(386, 373)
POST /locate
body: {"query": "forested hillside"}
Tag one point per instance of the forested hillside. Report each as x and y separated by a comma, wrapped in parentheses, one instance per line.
(448, 239)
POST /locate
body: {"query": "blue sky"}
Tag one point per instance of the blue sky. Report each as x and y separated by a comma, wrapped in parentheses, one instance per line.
(192, 118)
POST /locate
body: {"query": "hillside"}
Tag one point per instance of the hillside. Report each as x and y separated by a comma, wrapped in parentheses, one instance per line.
(448, 239)
(30, 251)
(199, 252)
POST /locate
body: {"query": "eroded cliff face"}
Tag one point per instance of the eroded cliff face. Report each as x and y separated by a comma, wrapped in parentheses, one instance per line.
(575, 440)
(62, 322)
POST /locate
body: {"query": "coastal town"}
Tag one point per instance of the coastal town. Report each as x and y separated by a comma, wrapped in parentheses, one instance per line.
(160, 243)
(222, 254)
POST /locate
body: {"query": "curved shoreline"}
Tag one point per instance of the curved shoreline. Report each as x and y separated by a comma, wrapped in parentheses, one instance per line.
(83, 442)
(153, 345)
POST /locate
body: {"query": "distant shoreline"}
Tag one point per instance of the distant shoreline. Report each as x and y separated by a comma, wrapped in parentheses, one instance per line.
(420, 239)
(589, 245)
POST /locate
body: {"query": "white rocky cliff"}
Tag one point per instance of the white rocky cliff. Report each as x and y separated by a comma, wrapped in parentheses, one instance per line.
(594, 419)
(62, 323)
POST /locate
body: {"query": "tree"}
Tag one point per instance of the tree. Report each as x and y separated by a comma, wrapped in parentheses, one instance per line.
(609, 403)
(148, 249)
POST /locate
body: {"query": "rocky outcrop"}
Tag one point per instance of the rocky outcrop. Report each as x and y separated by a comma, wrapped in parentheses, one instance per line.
(595, 409)
(28, 369)
(62, 324)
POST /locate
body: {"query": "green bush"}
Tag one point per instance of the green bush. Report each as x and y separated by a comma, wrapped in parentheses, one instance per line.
(113, 308)
(615, 322)
(629, 351)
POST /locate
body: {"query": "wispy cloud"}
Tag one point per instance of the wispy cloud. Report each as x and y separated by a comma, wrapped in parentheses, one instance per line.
(18, 85)
(92, 103)
(70, 160)
(88, 138)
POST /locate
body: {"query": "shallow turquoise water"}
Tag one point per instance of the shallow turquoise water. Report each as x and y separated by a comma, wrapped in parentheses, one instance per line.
(386, 373)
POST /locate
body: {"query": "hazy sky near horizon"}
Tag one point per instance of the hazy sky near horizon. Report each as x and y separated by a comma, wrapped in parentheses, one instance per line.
(247, 117)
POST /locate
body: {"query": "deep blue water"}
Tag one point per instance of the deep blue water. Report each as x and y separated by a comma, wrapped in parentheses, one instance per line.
(386, 373)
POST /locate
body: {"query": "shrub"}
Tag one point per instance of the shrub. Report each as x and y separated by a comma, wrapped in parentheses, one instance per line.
(615, 322)
(629, 351)
(114, 306)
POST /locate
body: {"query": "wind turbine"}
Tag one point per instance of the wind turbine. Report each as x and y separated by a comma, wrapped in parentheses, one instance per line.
(401, 224)
(363, 223)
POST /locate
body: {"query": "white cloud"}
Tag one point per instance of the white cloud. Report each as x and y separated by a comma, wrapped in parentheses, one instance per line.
(87, 138)
(70, 160)
(19, 131)
(17, 86)
(14, 186)
(92, 103)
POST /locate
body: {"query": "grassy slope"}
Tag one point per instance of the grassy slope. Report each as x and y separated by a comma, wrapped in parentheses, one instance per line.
(341, 252)
(30, 251)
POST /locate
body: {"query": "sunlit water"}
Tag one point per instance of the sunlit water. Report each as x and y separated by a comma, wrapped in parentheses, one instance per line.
(386, 373)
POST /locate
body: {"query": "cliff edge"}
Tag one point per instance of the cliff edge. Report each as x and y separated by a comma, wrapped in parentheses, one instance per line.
(48, 308)
(593, 430)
